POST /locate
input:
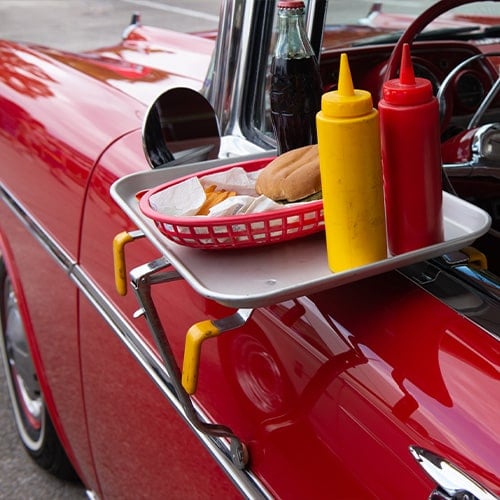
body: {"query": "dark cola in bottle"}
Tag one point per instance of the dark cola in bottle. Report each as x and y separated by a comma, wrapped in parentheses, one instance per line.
(295, 81)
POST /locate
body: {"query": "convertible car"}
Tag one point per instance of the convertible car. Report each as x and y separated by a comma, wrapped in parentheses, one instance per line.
(147, 368)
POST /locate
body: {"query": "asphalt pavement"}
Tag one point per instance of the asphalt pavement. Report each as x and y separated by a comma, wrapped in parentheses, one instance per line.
(88, 24)
(20, 477)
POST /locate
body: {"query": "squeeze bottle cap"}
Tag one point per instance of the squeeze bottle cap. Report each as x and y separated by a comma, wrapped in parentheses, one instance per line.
(407, 90)
(346, 102)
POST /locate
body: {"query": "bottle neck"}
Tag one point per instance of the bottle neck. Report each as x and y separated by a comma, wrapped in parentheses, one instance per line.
(292, 42)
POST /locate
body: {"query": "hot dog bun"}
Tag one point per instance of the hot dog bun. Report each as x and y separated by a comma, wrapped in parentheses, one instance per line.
(292, 176)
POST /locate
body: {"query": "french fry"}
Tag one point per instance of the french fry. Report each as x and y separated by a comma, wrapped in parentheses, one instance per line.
(213, 197)
(207, 204)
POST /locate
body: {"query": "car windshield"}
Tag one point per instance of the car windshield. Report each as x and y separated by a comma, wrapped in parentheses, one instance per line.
(365, 11)
(364, 22)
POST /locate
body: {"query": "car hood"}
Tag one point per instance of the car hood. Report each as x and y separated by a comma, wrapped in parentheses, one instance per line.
(147, 62)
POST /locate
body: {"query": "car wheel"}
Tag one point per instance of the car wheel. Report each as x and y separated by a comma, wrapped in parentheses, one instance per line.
(32, 420)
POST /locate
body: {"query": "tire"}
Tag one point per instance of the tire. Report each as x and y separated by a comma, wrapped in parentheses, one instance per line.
(33, 423)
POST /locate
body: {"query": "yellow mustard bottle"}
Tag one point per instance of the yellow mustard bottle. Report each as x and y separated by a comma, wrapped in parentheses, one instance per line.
(351, 175)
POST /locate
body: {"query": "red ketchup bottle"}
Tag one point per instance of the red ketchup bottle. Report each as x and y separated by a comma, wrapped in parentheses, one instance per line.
(411, 161)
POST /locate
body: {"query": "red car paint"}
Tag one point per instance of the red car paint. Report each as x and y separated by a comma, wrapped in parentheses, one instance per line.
(297, 381)
(328, 390)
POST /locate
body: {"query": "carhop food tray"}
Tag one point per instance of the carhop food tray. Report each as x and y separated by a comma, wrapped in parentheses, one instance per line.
(264, 275)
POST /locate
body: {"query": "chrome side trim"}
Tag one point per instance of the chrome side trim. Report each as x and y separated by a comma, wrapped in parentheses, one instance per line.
(244, 480)
(63, 259)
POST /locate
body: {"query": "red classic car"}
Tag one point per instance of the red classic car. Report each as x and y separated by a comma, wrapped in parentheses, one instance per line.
(150, 369)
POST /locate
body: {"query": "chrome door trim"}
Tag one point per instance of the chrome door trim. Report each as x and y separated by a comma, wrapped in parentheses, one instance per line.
(62, 258)
(452, 482)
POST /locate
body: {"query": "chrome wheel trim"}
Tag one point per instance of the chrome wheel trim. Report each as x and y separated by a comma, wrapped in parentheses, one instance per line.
(24, 391)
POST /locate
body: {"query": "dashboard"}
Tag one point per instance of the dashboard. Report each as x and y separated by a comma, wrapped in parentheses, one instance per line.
(431, 60)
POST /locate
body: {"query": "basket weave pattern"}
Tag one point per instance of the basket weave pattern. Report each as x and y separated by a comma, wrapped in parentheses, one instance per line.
(293, 221)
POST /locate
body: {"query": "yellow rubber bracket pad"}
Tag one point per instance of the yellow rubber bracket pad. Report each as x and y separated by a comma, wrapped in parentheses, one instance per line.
(119, 242)
(198, 333)
(477, 259)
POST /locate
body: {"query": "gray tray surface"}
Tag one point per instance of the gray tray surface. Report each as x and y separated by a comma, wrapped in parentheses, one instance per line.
(259, 276)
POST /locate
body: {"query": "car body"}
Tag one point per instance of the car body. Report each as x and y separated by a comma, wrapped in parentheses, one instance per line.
(386, 386)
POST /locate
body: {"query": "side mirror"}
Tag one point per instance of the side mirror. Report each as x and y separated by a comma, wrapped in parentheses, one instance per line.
(180, 127)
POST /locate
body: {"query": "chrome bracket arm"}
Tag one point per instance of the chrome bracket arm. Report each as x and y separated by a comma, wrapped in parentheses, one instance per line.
(142, 279)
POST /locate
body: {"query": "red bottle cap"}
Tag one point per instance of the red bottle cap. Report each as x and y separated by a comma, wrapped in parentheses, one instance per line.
(290, 5)
(407, 90)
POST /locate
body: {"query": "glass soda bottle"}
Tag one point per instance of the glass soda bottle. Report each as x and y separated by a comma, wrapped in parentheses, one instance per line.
(295, 81)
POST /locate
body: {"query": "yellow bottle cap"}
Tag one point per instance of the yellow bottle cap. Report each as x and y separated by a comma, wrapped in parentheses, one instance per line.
(346, 102)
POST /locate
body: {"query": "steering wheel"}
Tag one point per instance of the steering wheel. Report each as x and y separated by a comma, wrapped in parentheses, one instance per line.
(418, 25)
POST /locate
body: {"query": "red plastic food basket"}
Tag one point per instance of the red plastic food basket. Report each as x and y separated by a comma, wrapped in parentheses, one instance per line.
(214, 233)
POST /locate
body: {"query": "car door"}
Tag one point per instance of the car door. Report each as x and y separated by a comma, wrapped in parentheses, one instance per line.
(141, 444)
(289, 383)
